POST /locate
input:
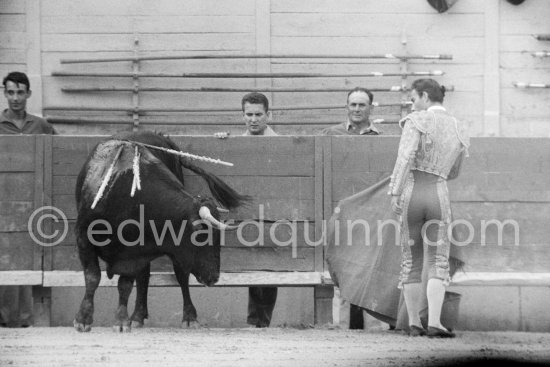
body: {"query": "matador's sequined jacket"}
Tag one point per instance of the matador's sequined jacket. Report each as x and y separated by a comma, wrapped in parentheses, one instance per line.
(432, 141)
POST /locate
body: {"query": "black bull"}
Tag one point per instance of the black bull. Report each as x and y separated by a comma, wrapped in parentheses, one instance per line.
(128, 248)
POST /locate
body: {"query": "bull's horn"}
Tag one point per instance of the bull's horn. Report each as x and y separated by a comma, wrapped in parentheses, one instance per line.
(205, 214)
(222, 210)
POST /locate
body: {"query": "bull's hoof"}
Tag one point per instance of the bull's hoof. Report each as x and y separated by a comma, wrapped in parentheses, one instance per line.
(82, 327)
(190, 325)
(123, 327)
(136, 324)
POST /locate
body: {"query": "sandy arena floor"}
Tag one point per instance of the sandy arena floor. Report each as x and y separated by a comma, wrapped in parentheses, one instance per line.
(63, 346)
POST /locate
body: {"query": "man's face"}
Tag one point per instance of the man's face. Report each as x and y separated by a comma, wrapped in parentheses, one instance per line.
(358, 108)
(255, 117)
(17, 95)
(419, 102)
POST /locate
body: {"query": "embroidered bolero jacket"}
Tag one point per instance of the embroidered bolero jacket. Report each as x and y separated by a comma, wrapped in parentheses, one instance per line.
(432, 141)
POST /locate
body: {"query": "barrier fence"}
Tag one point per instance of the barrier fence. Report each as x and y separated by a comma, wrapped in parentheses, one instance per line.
(292, 178)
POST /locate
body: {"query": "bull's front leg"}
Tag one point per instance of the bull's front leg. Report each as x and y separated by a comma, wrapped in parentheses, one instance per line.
(122, 321)
(189, 312)
(142, 285)
(92, 275)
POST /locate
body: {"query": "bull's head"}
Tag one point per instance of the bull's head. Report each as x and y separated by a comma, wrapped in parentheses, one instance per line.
(207, 227)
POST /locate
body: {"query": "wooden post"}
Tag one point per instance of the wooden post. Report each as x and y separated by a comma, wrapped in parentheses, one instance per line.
(491, 75)
(42, 305)
(263, 43)
(318, 197)
(46, 192)
(323, 304)
(34, 56)
(43, 191)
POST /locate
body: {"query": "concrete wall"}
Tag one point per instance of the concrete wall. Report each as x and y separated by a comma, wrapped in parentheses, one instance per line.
(491, 43)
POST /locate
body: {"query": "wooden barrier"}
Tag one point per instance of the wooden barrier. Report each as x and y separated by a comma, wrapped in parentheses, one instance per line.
(297, 179)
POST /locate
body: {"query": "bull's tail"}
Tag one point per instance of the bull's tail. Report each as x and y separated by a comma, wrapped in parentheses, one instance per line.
(222, 192)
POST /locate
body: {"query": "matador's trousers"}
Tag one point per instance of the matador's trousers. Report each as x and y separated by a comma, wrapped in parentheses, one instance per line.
(425, 222)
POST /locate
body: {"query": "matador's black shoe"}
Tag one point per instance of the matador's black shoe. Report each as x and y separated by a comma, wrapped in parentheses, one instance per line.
(416, 331)
(435, 332)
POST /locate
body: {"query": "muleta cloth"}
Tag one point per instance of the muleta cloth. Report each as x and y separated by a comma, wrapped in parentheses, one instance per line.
(366, 266)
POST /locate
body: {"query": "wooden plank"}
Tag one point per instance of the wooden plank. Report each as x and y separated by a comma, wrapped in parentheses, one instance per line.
(500, 186)
(363, 154)
(491, 82)
(101, 7)
(20, 277)
(525, 102)
(272, 259)
(486, 155)
(522, 60)
(268, 208)
(510, 279)
(196, 7)
(278, 234)
(14, 215)
(232, 259)
(504, 225)
(86, 24)
(12, 56)
(528, 126)
(16, 186)
(262, 34)
(86, 42)
(198, 41)
(464, 50)
(350, 6)
(375, 24)
(531, 15)
(12, 22)
(12, 7)
(516, 218)
(323, 295)
(17, 153)
(260, 187)
(167, 279)
(274, 156)
(16, 249)
(280, 156)
(471, 186)
(519, 43)
(508, 258)
(164, 7)
(525, 75)
(204, 23)
(346, 183)
(12, 39)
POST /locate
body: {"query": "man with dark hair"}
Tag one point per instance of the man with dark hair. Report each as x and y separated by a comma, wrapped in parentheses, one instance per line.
(358, 106)
(256, 115)
(16, 306)
(15, 119)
